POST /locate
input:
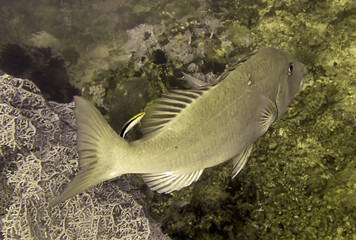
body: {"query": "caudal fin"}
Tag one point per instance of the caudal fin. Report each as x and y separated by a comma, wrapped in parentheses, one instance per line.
(96, 140)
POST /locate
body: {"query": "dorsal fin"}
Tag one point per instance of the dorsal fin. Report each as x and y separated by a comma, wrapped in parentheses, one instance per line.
(233, 67)
(166, 108)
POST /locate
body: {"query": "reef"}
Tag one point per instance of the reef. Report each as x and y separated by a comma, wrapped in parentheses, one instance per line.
(299, 182)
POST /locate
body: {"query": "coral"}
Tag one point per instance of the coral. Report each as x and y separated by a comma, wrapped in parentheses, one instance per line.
(213, 25)
(38, 138)
(143, 40)
(44, 40)
(180, 50)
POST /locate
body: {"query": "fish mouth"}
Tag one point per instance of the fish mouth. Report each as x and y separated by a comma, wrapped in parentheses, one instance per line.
(301, 84)
(304, 79)
(304, 76)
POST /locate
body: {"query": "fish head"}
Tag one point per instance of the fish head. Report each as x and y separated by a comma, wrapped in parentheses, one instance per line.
(291, 78)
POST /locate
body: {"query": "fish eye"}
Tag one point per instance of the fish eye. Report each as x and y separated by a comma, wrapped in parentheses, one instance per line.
(290, 69)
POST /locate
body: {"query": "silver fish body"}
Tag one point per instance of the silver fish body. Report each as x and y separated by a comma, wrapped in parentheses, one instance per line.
(186, 131)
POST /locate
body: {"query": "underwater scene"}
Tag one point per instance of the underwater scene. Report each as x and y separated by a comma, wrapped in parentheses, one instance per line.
(173, 119)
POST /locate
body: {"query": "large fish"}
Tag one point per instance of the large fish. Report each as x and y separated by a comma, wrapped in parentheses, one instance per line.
(186, 131)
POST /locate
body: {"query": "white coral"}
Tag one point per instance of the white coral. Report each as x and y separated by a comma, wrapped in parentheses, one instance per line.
(43, 39)
(142, 40)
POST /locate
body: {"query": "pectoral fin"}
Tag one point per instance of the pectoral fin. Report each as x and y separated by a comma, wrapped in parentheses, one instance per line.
(169, 182)
(268, 114)
(240, 160)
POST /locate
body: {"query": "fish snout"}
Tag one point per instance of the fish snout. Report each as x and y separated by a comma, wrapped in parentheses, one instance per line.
(304, 74)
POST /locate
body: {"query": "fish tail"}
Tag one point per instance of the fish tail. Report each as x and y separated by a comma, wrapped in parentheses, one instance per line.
(97, 146)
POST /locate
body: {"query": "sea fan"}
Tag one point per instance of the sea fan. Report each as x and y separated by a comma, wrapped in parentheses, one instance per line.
(39, 137)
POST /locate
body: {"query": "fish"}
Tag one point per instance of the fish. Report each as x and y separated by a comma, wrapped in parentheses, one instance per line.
(187, 131)
(130, 124)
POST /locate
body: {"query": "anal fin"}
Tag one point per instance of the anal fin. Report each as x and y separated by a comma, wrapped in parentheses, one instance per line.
(168, 182)
(240, 160)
